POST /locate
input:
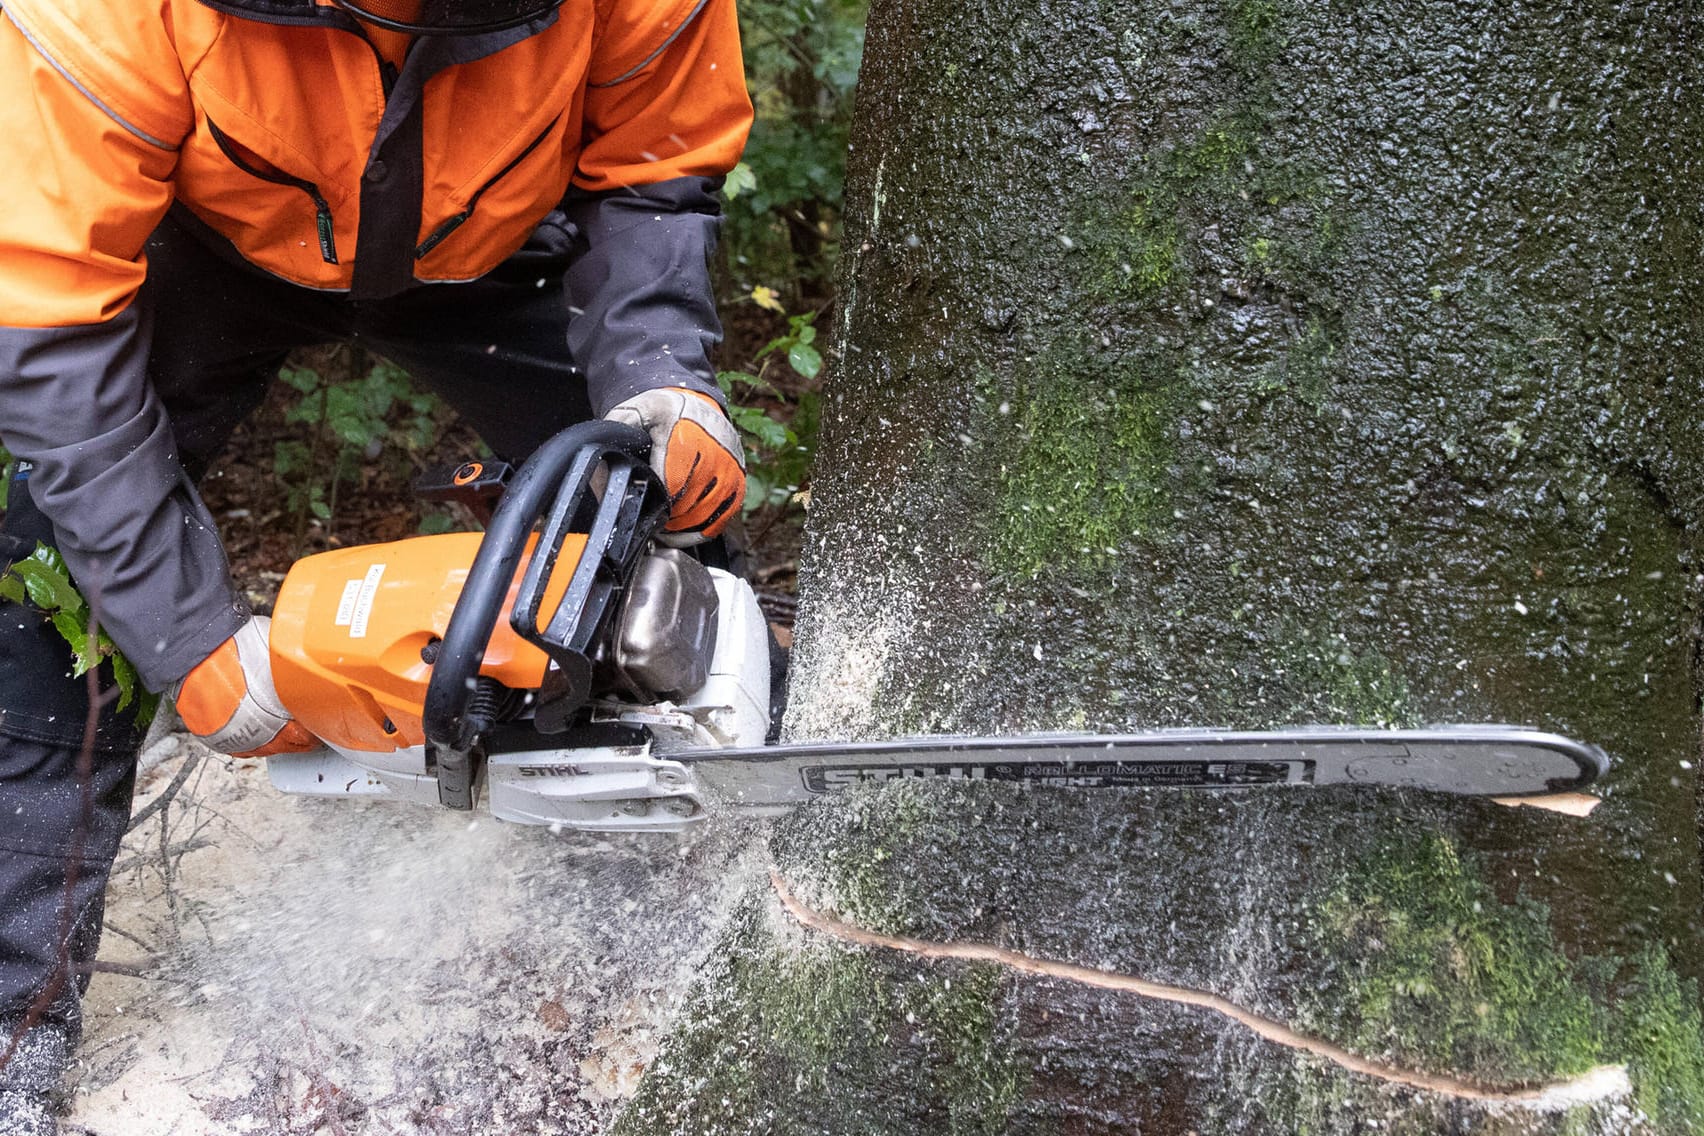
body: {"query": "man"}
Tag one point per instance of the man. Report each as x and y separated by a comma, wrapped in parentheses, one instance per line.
(514, 199)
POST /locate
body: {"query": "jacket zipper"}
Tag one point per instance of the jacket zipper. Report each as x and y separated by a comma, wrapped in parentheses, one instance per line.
(437, 236)
(322, 208)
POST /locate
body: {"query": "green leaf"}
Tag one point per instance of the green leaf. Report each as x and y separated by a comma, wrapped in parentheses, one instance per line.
(49, 556)
(304, 379)
(46, 582)
(290, 458)
(309, 410)
(76, 633)
(434, 523)
(48, 590)
(805, 359)
(389, 374)
(357, 416)
(422, 434)
(770, 434)
(318, 507)
(757, 490)
(728, 380)
(807, 334)
(740, 180)
(124, 674)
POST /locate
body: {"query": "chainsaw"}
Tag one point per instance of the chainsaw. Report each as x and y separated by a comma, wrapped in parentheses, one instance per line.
(567, 668)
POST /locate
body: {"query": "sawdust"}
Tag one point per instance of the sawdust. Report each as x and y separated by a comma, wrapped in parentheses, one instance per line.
(318, 966)
(621, 1052)
(851, 654)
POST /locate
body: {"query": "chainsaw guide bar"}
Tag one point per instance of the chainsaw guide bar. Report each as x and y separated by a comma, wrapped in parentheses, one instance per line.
(1491, 761)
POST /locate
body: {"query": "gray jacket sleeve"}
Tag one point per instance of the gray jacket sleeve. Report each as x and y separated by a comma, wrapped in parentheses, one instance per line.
(141, 546)
(644, 311)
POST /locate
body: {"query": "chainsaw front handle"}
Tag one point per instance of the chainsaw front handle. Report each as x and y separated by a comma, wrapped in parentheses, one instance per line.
(559, 480)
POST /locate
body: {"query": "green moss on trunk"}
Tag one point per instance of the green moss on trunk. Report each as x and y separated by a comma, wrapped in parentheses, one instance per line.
(1408, 945)
(1082, 467)
(1437, 973)
(787, 1037)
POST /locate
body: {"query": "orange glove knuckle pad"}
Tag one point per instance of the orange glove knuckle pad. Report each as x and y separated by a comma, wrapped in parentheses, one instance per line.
(229, 701)
(704, 479)
(696, 449)
(212, 691)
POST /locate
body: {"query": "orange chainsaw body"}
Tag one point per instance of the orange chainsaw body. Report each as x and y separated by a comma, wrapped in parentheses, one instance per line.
(353, 629)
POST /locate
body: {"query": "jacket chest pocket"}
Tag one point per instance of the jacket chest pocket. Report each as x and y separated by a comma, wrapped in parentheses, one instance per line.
(325, 224)
(278, 209)
(526, 186)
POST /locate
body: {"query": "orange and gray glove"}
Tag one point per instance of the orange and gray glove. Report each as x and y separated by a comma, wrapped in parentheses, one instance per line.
(698, 453)
(229, 702)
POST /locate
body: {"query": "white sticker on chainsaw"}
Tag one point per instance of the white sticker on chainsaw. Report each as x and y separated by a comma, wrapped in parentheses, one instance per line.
(364, 602)
(346, 605)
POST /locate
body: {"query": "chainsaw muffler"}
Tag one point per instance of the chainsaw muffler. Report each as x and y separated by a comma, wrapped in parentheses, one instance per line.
(667, 631)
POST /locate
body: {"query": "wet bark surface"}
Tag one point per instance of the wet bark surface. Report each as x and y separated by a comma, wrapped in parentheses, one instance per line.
(1243, 364)
(1005, 961)
(1247, 363)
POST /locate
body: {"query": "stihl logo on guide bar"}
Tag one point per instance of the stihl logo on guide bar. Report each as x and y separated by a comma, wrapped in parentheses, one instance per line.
(1091, 774)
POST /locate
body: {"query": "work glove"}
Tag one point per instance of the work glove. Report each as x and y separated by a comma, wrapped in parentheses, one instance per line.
(229, 702)
(697, 452)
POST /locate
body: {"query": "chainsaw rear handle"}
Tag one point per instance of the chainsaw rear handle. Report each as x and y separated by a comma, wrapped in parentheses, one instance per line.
(557, 474)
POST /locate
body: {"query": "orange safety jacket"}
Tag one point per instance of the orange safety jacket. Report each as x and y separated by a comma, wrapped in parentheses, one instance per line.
(281, 129)
(280, 125)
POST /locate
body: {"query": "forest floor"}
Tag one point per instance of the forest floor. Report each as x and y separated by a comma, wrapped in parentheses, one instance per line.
(290, 966)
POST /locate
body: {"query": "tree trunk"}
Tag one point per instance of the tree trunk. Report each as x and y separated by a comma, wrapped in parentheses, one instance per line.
(1244, 363)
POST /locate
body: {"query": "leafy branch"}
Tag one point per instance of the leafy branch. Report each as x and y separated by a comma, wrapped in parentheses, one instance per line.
(43, 581)
(802, 59)
(361, 409)
(777, 451)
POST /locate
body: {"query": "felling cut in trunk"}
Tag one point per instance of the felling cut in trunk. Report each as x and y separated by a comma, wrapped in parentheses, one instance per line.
(1245, 364)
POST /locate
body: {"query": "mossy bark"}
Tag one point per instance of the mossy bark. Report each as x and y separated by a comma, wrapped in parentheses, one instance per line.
(1248, 362)
(1235, 362)
(1394, 938)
